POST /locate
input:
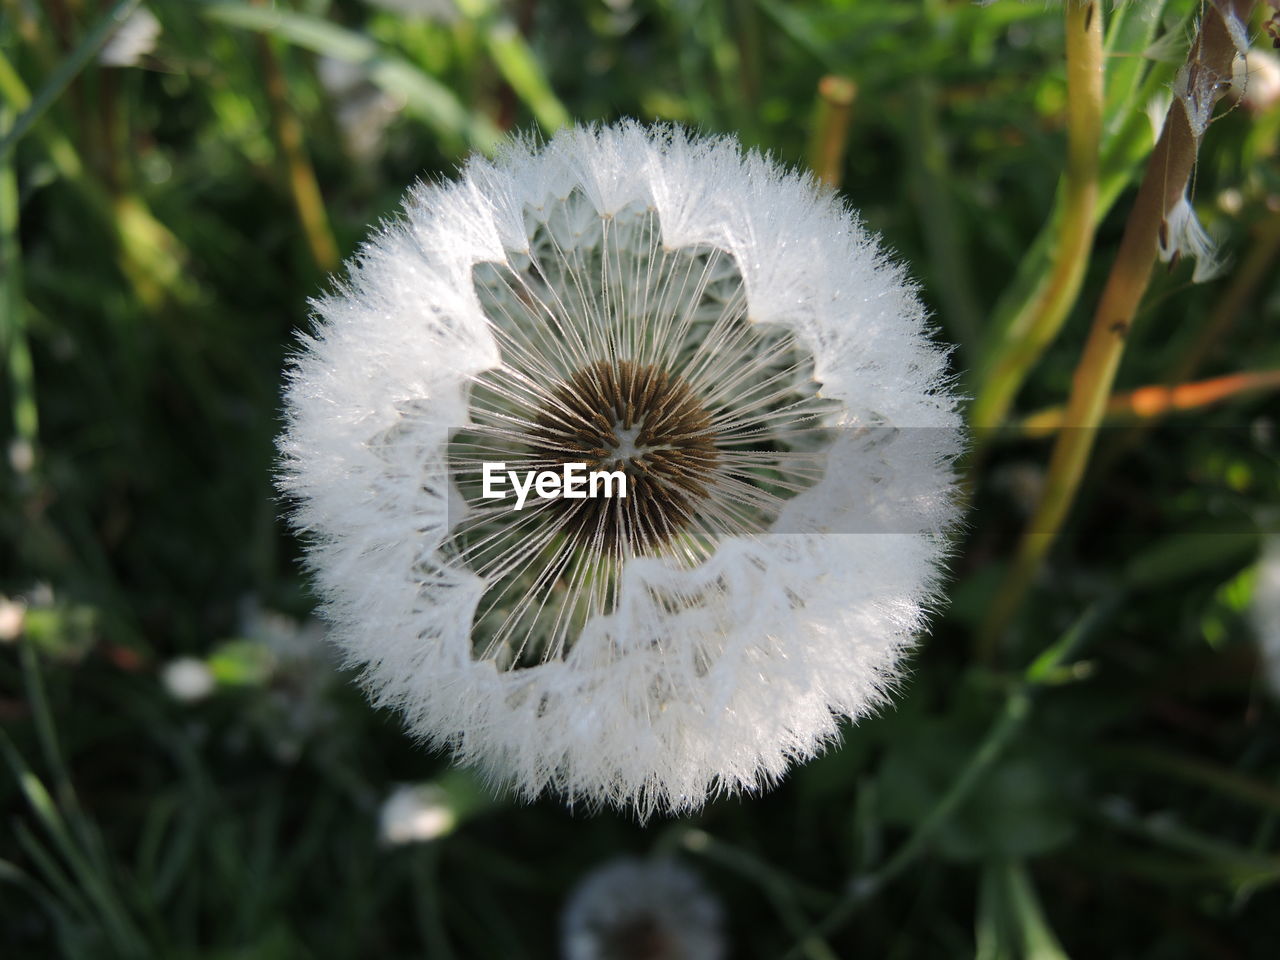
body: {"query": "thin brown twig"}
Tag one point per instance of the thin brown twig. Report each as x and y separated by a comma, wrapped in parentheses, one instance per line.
(1151, 402)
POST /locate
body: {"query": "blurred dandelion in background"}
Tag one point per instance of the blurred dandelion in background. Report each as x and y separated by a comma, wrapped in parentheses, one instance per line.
(134, 40)
(631, 909)
(188, 679)
(296, 706)
(415, 813)
(718, 329)
(13, 613)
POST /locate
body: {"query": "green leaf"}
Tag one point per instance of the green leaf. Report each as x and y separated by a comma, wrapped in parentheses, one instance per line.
(67, 71)
(423, 94)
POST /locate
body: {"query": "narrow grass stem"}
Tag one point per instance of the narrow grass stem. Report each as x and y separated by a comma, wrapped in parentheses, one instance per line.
(944, 234)
(1007, 724)
(303, 186)
(831, 128)
(1168, 172)
(1035, 326)
(777, 888)
(13, 329)
(1014, 713)
(67, 71)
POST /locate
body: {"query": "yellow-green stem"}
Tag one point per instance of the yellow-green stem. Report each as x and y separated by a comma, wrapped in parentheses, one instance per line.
(149, 255)
(831, 128)
(13, 334)
(303, 186)
(1038, 322)
(1167, 174)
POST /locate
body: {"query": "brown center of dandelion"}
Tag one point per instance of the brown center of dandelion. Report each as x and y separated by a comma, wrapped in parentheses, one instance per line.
(644, 422)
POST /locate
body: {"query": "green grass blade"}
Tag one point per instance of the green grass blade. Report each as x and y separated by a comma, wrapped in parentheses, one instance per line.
(1038, 939)
(96, 885)
(67, 71)
(423, 95)
(517, 63)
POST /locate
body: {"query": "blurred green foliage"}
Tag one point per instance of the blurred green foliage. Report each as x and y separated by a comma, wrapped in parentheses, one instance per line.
(155, 272)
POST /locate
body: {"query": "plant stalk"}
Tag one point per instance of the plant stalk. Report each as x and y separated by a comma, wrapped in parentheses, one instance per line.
(303, 186)
(1037, 324)
(831, 128)
(1207, 75)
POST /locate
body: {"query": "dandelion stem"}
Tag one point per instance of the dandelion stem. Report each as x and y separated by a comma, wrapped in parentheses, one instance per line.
(831, 128)
(307, 199)
(1167, 174)
(1150, 402)
(1034, 327)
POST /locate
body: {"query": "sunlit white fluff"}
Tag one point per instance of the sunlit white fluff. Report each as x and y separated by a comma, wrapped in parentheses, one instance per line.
(628, 908)
(615, 671)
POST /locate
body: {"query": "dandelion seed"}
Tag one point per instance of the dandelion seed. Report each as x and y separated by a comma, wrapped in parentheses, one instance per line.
(635, 910)
(723, 332)
(1183, 236)
(1255, 80)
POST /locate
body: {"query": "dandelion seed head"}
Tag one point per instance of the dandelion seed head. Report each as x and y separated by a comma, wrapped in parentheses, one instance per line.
(720, 330)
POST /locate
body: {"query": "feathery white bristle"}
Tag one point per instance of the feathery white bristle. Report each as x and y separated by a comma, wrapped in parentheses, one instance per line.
(719, 633)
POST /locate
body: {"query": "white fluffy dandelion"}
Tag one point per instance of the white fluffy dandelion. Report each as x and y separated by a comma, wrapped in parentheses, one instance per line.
(636, 910)
(721, 331)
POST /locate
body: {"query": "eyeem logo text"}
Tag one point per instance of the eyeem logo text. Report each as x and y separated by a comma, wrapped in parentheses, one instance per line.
(572, 481)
